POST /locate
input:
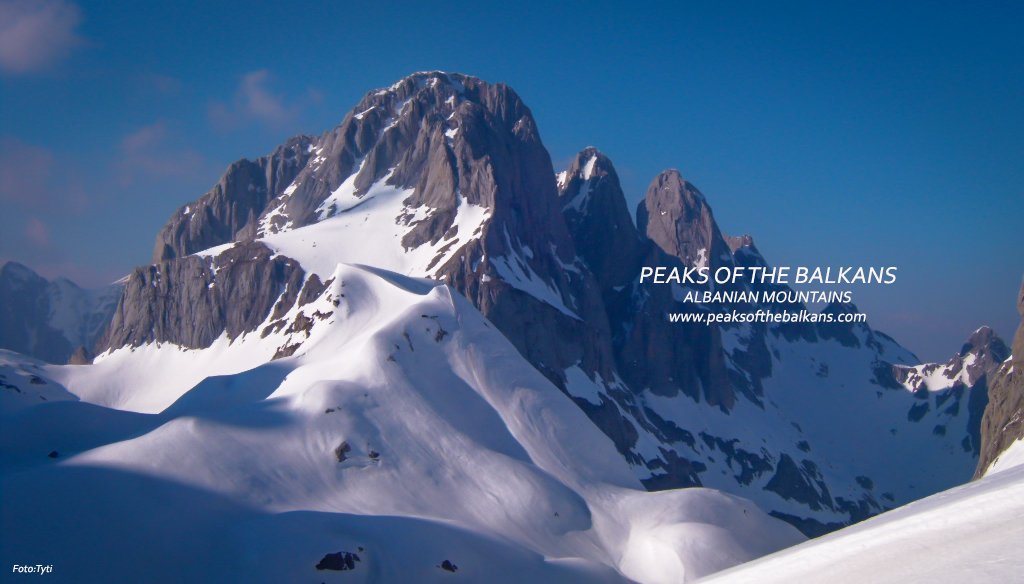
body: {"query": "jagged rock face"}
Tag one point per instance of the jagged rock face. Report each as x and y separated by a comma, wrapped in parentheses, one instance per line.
(595, 211)
(676, 217)
(1003, 421)
(191, 301)
(671, 359)
(228, 212)
(50, 320)
(445, 136)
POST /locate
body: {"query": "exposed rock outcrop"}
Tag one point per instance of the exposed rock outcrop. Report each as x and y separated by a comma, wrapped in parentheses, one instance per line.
(192, 301)
(228, 212)
(1003, 421)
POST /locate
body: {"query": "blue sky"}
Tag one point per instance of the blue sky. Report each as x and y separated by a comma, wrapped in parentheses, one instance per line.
(835, 133)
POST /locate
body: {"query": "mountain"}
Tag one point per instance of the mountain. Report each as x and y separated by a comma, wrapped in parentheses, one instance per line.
(403, 440)
(440, 175)
(1002, 428)
(821, 424)
(51, 320)
(412, 347)
(444, 176)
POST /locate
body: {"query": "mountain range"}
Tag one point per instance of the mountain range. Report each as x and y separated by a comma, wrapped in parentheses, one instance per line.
(411, 341)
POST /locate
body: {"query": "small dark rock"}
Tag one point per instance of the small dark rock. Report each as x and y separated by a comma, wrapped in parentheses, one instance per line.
(917, 412)
(286, 351)
(36, 380)
(341, 451)
(340, 561)
(448, 566)
(53, 454)
(373, 454)
(302, 323)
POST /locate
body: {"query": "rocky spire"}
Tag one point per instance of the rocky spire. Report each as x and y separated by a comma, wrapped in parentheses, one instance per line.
(676, 217)
(595, 211)
(1003, 421)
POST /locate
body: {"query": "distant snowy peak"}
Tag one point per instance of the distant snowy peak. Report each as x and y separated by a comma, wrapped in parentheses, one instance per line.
(981, 355)
(49, 320)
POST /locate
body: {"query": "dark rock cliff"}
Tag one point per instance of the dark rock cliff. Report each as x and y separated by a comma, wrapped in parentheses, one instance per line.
(1003, 421)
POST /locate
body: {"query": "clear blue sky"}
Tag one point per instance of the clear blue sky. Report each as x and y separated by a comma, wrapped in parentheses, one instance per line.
(835, 133)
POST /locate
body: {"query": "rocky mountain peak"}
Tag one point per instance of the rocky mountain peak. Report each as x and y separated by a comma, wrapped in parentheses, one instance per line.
(985, 343)
(1003, 422)
(595, 211)
(16, 274)
(589, 164)
(675, 215)
(439, 175)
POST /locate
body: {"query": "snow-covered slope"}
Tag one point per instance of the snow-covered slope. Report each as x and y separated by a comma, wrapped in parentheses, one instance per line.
(403, 429)
(971, 533)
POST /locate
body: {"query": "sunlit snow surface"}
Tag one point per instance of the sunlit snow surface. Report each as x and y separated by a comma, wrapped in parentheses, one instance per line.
(971, 533)
(219, 464)
(367, 228)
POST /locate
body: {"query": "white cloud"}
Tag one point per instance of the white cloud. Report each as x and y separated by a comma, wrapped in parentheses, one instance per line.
(36, 34)
(255, 101)
(37, 233)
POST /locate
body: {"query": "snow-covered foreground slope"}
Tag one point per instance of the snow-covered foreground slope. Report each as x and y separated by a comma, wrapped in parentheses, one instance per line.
(972, 533)
(402, 429)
